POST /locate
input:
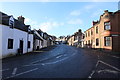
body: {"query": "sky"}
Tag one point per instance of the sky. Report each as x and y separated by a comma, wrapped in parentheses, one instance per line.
(58, 18)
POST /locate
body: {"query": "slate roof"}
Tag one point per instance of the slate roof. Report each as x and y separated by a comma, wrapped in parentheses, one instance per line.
(17, 24)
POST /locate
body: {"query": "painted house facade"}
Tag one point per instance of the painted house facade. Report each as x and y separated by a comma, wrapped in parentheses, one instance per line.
(76, 39)
(71, 40)
(42, 39)
(38, 40)
(105, 33)
(15, 36)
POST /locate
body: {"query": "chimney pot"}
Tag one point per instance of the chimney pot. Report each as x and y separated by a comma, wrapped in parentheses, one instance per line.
(106, 11)
(95, 22)
(21, 19)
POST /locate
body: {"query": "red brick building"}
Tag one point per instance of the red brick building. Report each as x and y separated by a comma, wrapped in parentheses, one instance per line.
(105, 33)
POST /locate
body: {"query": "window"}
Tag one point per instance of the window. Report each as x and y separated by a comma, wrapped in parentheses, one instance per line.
(11, 22)
(88, 33)
(41, 34)
(97, 42)
(107, 25)
(97, 29)
(10, 43)
(75, 38)
(107, 41)
(89, 42)
(91, 32)
(28, 44)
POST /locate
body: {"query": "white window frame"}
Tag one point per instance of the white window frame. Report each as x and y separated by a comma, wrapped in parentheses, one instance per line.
(107, 26)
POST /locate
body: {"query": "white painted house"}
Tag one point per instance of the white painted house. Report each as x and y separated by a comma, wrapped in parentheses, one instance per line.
(38, 40)
(15, 36)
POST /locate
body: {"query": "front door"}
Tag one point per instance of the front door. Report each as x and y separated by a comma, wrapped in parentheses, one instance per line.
(21, 46)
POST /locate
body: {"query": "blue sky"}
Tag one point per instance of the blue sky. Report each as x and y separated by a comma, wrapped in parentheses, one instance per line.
(58, 18)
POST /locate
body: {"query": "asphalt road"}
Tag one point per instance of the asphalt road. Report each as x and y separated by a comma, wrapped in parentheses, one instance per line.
(62, 61)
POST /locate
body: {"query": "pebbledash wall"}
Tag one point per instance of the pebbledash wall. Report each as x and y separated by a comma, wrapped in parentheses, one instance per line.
(16, 35)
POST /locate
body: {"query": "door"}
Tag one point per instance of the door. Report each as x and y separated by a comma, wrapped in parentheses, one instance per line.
(21, 46)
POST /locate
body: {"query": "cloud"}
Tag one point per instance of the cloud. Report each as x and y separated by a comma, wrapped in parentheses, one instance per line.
(75, 21)
(97, 13)
(30, 21)
(75, 13)
(47, 26)
(44, 26)
(27, 20)
(88, 7)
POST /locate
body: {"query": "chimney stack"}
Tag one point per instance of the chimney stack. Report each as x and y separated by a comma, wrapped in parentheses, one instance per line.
(79, 30)
(21, 19)
(95, 22)
(106, 11)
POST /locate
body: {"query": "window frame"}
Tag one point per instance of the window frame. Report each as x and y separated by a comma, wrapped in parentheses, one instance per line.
(91, 32)
(106, 41)
(97, 41)
(107, 25)
(97, 30)
(88, 33)
(29, 44)
(10, 43)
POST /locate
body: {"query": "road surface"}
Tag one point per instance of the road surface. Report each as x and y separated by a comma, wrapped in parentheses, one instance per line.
(62, 61)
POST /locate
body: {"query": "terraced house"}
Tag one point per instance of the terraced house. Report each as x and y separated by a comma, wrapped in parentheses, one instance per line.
(76, 39)
(15, 36)
(105, 33)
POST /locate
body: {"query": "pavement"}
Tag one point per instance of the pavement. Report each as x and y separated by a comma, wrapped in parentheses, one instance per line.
(62, 61)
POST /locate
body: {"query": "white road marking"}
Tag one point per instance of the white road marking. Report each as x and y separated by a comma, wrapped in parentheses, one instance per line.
(39, 60)
(14, 71)
(115, 57)
(43, 64)
(55, 61)
(35, 62)
(91, 74)
(98, 57)
(4, 70)
(26, 65)
(110, 65)
(59, 56)
(109, 71)
(97, 63)
(58, 60)
(22, 73)
(93, 70)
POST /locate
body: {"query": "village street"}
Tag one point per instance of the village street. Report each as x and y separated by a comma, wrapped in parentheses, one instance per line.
(62, 61)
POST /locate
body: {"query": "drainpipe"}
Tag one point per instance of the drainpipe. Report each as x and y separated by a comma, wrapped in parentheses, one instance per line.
(28, 37)
(27, 40)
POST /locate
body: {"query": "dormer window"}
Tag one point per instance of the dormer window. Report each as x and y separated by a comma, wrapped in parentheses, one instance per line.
(29, 29)
(11, 22)
(107, 25)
